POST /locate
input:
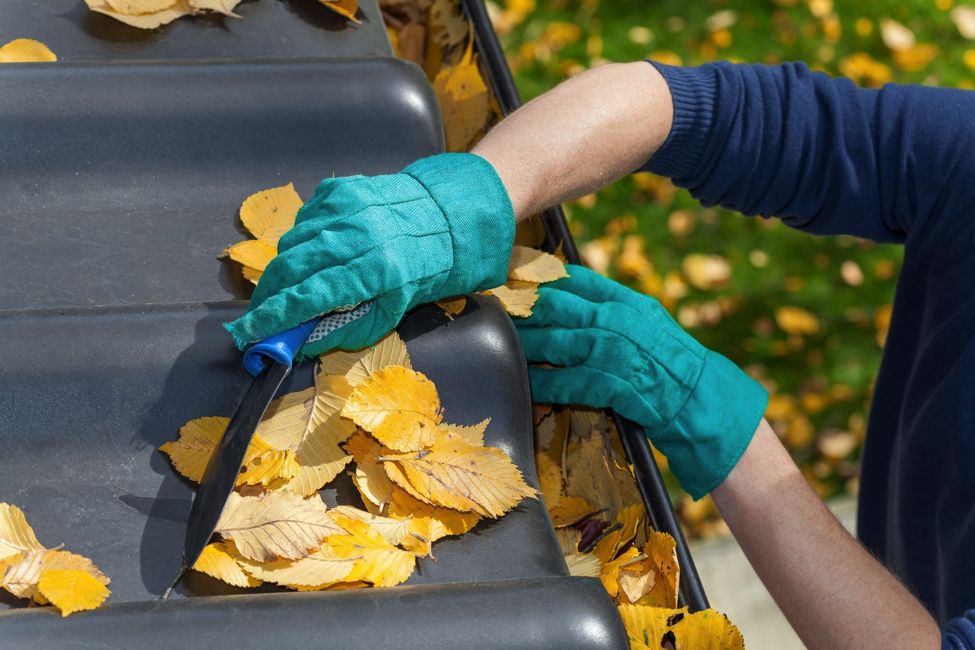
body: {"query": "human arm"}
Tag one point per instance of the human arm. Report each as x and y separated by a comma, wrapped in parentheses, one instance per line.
(832, 591)
(824, 155)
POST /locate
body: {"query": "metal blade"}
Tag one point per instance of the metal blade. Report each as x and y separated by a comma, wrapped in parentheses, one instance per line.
(221, 472)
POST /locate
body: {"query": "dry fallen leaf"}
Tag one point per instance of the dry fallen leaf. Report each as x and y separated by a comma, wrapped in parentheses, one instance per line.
(570, 511)
(379, 562)
(16, 535)
(72, 590)
(661, 550)
(197, 440)
(358, 365)
(517, 297)
(704, 630)
(19, 574)
(583, 565)
(457, 475)
(452, 306)
(320, 568)
(393, 530)
(25, 50)
(219, 561)
(372, 482)
(447, 24)
(278, 524)
(398, 406)
(345, 8)
(530, 265)
(795, 320)
(463, 99)
(473, 434)
(549, 479)
(595, 477)
(896, 37)
(628, 519)
(444, 522)
(267, 215)
(150, 14)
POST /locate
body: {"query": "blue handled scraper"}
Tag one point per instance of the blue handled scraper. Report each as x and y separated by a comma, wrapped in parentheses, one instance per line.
(269, 362)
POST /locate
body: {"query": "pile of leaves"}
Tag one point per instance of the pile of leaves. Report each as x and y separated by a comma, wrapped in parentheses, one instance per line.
(371, 414)
(28, 569)
(150, 14)
(601, 523)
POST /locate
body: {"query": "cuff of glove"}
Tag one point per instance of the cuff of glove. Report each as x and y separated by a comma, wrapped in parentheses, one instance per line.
(479, 215)
(715, 425)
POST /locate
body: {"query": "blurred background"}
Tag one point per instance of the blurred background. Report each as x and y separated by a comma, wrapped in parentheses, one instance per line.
(806, 316)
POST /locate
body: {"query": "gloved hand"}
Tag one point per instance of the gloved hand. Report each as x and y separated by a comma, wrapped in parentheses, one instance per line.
(622, 350)
(442, 227)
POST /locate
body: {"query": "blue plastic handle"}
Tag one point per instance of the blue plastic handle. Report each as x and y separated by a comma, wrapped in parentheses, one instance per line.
(282, 347)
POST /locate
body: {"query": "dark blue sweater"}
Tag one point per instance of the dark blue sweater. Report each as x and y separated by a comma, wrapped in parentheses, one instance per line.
(890, 165)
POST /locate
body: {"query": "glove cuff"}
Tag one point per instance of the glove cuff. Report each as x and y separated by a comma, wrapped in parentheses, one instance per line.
(710, 433)
(479, 215)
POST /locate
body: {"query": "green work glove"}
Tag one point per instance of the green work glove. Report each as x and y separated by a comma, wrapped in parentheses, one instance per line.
(621, 349)
(444, 226)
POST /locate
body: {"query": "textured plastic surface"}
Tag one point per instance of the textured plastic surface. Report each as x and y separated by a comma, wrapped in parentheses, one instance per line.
(282, 347)
(527, 614)
(269, 29)
(80, 433)
(128, 178)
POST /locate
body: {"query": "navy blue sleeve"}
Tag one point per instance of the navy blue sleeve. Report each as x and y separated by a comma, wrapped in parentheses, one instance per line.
(820, 153)
(959, 634)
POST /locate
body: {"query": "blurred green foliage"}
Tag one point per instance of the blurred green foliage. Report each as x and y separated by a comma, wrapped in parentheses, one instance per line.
(821, 374)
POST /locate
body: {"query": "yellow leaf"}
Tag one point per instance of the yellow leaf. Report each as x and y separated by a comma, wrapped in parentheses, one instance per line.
(571, 510)
(277, 524)
(444, 522)
(583, 565)
(611, 570)
(648, 625)
(517, 297)
(420, 539)
(142, 20)
(359, 444)
(393, 530)
(463, 101)
(197, 440)
(595, 477)
(381, 563)
(19, 573)
(457, 475)
(218, 561)
(448, 26)
(135, 7)
(559, 255)
(636, 580)
(398, 406)
(705, 630)
(452, 307)
(569, 539)
(795, 320)
(371, 480)
(473, 434)
(253, 275)
(358, 365)
(629, 518)
(253, 254)
(72, 590)
(662, 552)
(554, 443)
(16, 535)
(530, 265)
(320, 568)
(24, 50)
(549, 479)
(309, 424)
(345, 8)
(270, 214)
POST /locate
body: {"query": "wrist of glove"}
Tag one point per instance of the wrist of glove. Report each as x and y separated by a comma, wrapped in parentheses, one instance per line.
(622, 350)
(443, 226)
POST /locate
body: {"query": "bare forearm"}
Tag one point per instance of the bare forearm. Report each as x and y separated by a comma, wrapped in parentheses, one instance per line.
(834, 593)
(580, 136)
